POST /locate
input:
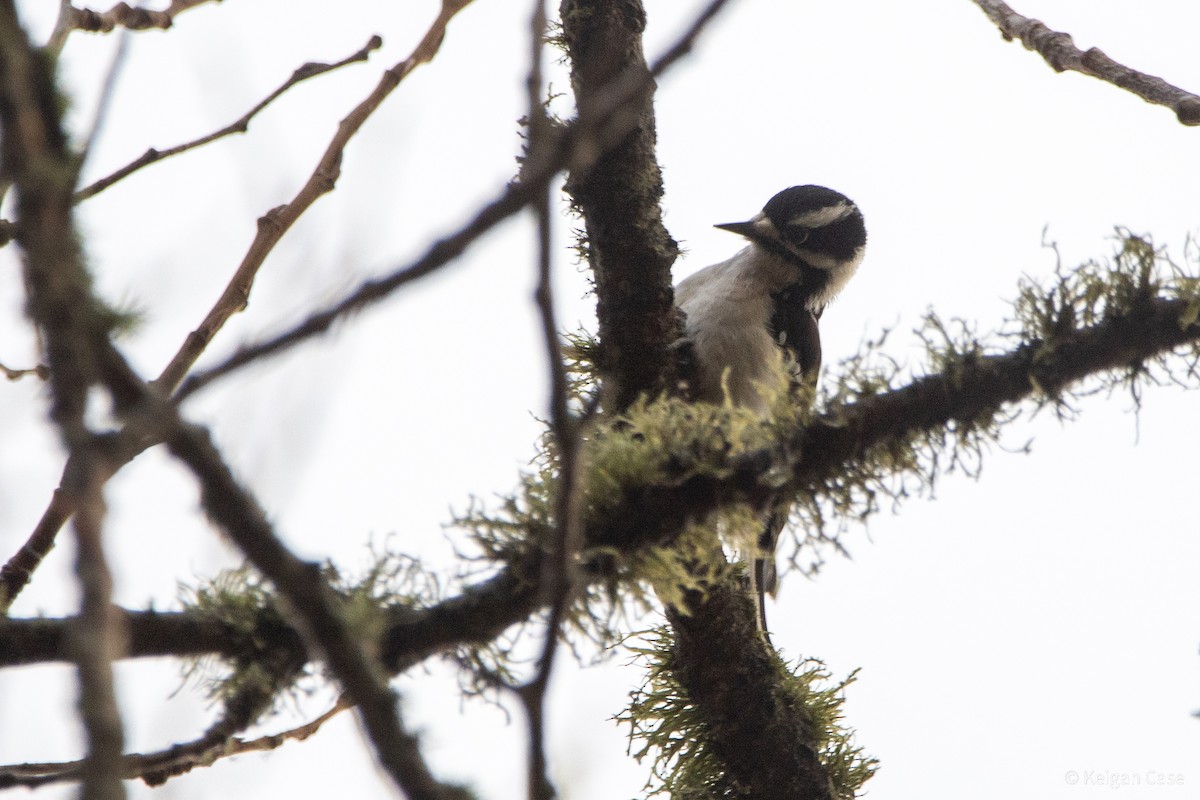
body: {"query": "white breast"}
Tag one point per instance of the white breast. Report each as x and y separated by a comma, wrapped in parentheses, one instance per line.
(728, 307)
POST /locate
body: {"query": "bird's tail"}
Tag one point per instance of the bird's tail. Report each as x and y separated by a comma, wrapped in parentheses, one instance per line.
(764, 578)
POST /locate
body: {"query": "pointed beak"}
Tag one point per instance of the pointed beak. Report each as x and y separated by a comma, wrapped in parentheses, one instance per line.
(746, 229)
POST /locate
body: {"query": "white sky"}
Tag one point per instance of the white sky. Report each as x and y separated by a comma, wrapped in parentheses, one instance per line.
(1039, 621)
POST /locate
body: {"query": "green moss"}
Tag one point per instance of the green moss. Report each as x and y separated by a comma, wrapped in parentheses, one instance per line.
(246, 603)
(243, 602)
(667, 728)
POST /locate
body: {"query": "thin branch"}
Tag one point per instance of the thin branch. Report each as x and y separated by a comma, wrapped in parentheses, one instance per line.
(71, 18)
(297, 734)
(577, 145)
(432, 41)
(560, 574)
(276, 222)
(104, 103)
(41, 371)
(684, 44)
(310, 70)
(18, 570)
(96, 639)
(276, 669)
(1060, 52)
(156, 768)
(514, 198)
(122, 15)
(62, 29)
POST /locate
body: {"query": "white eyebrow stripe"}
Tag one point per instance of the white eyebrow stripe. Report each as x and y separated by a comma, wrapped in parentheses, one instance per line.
(819, 218)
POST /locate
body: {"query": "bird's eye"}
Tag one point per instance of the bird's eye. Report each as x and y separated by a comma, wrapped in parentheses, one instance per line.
(797, 234)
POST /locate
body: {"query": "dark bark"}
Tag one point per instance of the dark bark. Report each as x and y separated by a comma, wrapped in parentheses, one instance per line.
(629, 248)
(724, 665)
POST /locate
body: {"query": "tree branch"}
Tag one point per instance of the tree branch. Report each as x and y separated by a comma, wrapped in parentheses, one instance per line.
(156, 768)
(41, 371)
(652, 515)
(122, 15)
(1060, 52)
(310, 70)
(34, 155)
(560, 571)
(629, 248)
(984, 385)
(152, 634)
(766, 743)
(96, 638)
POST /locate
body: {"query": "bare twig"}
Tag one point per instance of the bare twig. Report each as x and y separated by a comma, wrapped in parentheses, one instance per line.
(122, 15)
(511, 200)
(19, 568)
(432, 41)
(297, 734)
(310, 70)
(156, 768)
(575, 146)
(1060, 52)
(687, 40)
(559, 575)
(104, 103)
(277, 221)
(62, 28)
(11, 374)
(97, 639)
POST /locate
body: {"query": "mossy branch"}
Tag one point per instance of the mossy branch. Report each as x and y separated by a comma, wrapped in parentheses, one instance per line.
(1108, 324)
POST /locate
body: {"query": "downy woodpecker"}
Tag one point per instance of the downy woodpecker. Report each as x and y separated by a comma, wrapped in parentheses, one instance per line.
(752, 320)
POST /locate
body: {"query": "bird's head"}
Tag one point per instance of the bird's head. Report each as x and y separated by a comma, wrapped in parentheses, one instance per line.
(816, 229)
